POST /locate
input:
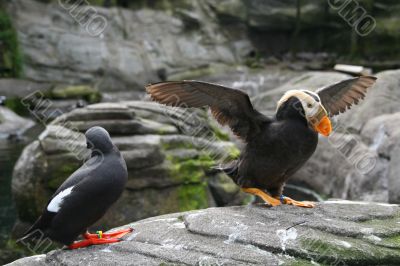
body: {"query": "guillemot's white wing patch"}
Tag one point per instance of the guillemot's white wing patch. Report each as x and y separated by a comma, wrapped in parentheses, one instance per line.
(55, 203)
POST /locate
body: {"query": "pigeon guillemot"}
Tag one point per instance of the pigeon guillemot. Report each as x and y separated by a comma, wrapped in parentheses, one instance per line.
(85, 196)
(275, 147)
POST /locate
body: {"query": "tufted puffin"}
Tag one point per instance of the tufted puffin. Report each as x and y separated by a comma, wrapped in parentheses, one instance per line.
(275, 147)
(85, 197)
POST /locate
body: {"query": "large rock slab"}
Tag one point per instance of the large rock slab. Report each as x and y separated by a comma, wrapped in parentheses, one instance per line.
(333, 233)
(135, 48)
(168, 153)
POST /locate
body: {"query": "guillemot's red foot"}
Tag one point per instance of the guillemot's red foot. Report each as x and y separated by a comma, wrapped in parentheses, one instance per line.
(114, 234)
(93, 241)
(100, 238)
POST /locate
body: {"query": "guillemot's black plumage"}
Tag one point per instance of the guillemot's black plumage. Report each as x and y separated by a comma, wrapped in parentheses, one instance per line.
(276, 147)
(87, 194)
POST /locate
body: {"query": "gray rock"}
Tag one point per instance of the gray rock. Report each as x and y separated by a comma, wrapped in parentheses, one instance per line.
(21, 88)
(382, 99)
(134, 48)
(382, 134)
(333, 233)
(12, 124)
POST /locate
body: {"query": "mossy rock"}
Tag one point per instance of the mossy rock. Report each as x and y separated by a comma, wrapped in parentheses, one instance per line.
(12, 251)
(15, 104)
(191, 170)
(88, 93)
(193, 197)
(10, 56)
(60, 167)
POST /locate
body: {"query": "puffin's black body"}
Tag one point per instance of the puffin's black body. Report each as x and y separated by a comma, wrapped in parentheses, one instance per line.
(275, 147)
(94, 187)
(283, 144)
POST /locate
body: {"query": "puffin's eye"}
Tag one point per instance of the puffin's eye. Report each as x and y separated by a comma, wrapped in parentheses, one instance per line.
(309, 105)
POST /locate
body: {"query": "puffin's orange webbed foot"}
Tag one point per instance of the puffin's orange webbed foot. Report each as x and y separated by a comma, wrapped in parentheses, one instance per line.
(303, 204)
(264, 196)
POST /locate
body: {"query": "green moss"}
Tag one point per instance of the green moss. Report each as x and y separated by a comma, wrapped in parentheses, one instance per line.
(192, 193)
(234, 153)
(15, 104)
(60, 174)
(298, 262)
(248, 199)
(163, 130)
(193, 197)
(192, 170)
(212, 69)
(327, 253)
(254, 61)
(177, 145)
(393, 241)
(10, 56)
(85, 92)
(388, 26)
(12, 251)
(219, 133)
(386, 224)
(327, 249)
(30, 247)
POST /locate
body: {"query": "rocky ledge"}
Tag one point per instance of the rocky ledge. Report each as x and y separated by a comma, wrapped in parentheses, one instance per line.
(334, 233)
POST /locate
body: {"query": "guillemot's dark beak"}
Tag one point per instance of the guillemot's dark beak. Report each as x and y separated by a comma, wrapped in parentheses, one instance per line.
(89, 145)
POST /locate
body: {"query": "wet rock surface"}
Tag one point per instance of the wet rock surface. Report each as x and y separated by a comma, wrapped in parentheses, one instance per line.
(334, 233)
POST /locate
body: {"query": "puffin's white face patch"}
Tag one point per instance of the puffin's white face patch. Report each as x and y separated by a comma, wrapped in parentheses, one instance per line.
(55, 203)
(310, 106)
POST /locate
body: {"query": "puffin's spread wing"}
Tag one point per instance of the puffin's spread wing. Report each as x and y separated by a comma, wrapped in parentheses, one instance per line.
(339, 97)
(229, 106)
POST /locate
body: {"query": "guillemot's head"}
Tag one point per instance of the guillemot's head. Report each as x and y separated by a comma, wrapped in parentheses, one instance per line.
(98, 139)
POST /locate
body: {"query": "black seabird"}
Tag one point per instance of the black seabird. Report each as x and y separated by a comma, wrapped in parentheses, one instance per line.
(85, 196)
(276, 147)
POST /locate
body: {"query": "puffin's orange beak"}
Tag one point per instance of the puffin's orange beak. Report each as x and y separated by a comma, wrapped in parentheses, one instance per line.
(324, 127)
